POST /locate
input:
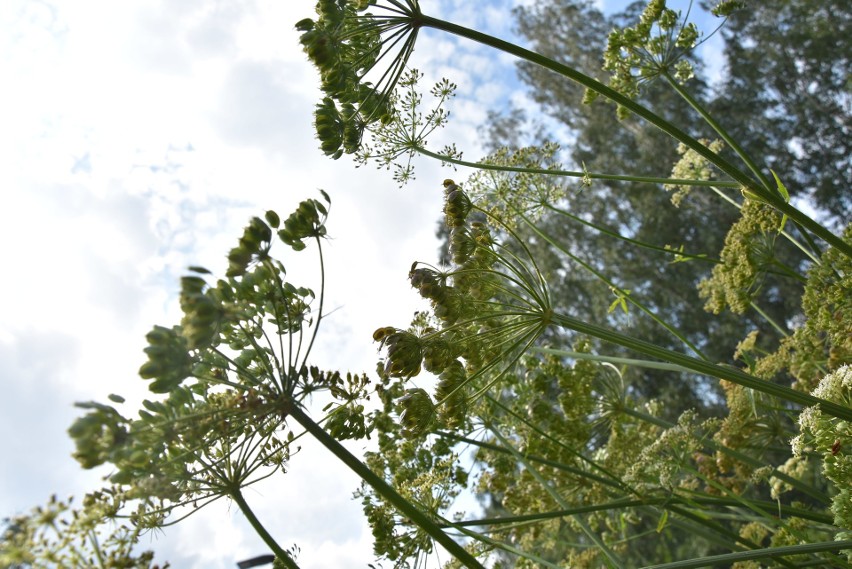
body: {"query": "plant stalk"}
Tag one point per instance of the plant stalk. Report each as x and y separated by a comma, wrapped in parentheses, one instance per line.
(421, 20)
(280, 554)
(378, 484)
(731, 374)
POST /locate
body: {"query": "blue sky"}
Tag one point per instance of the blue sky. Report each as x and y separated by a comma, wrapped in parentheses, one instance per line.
(137, 138)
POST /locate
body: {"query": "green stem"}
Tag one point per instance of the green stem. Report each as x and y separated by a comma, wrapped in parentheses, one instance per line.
(756, 554)
(769, 319)
(420, 20)
(573, 173)
(382, 488)
(636, 242)
(630, 503)
(647, 364)
(532, 458)
(719, 130)
(598, 87)
(696, 365)
(625, 294)
(502, 545)
(280, 554)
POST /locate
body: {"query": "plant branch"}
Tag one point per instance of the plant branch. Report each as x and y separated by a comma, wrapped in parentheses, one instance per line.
(381, 487)
(280, 554)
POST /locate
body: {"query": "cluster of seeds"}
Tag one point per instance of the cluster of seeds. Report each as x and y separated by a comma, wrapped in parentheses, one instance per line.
(344, 44)
(460, 303)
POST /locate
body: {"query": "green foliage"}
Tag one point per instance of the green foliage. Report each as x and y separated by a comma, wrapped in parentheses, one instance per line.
(59, 536)
(596, 432)
(654, 47)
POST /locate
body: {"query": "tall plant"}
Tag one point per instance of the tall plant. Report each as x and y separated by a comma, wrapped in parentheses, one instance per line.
(582, 471)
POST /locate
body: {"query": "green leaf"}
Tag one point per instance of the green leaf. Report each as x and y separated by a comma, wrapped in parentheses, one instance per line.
(782, 189)
(661, 525)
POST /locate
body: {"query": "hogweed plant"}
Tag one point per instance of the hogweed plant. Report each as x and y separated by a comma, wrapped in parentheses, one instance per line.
(498, 389)
(568, 451)
(584, 472)
(233, 380)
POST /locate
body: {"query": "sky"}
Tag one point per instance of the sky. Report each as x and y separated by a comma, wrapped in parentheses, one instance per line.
(137, 138)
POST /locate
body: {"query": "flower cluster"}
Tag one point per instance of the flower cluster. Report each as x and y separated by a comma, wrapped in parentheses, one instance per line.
(656, 46)
(462, 304)
(59, 535)
(831, 439)
(522, 189)
(691, 166)
(664, 463)
(822, 343)
(393, 143)
(746, 257)
(228, 376)
(345, 44)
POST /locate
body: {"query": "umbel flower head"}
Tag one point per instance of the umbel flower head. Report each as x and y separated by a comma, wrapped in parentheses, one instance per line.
(828, 438)
(227, 377)
(58, 534)
(656, 46)
(346, 44)
(486, 308)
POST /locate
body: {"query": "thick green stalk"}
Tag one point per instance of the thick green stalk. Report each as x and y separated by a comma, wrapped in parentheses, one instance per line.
(378, 484)
(735, 173)
(280, 554)
(696, 365)
(756, 554)
(733, 144)
(647, 364)
(574, 173)
(420, 20)
(637, 503)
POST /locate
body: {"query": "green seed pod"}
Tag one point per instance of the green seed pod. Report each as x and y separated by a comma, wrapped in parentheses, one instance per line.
(160, 335)
(436, 355)
(450, 394)
(305, 25)
(259, 229)
(456, 208)
(383, 333)
(418, 412)
(461, 244)
(238, 261)
(150, 370)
